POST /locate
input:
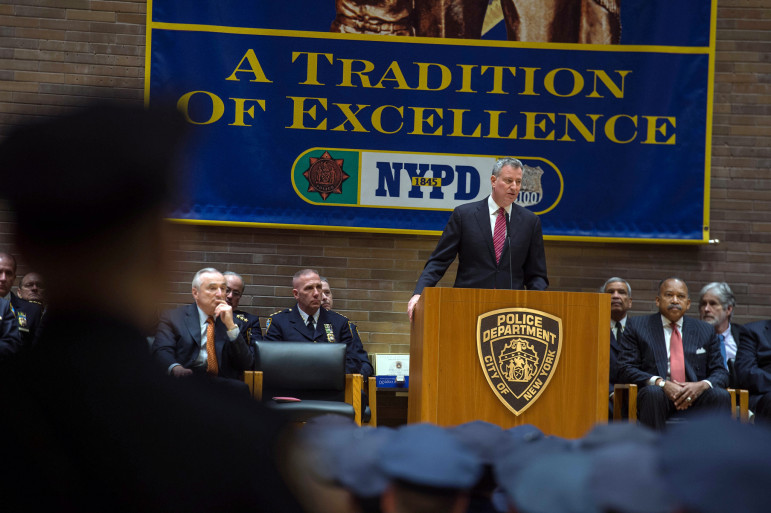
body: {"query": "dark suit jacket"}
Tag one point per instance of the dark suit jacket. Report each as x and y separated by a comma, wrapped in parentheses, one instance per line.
(178, 340)
(249, 324)
(615, 347)
(29, 316)
(643, 351)
(753, 360)
(737, 332)
(287, 325)
(469, 237)
(10, 340)
(91, 424)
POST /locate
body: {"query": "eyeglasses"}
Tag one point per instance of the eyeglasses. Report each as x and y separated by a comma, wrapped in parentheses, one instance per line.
(234, 292)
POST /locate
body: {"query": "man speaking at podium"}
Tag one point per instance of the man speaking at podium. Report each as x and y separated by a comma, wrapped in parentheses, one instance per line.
(498, 243)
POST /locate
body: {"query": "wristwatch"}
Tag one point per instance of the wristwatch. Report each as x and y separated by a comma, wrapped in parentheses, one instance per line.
(661, 383)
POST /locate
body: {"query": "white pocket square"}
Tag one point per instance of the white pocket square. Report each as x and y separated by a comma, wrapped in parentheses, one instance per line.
(700, 350)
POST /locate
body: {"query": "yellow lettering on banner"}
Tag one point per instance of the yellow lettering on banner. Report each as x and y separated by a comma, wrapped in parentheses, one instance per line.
(457, 116)
(529, 89)
(610, 128)
(377, 119)
(494, 124)
(578, 82)
(350, 117)
(299, 111)
(419, 120)
(615, 90)
(396, 75)
(217, 107)
(423, 67)
(532, 124)
(575, 121)
(498, 77)
(654, 127)
(312, 66)
(254, 68)
(466, 70)
(241, 110)
(348, 73)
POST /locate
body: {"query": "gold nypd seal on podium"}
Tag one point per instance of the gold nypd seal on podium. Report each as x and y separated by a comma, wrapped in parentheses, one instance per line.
(519, 349)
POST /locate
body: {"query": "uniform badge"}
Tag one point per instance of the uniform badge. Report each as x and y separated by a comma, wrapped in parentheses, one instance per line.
(267, 322)
(531, 187)
(519, 349)
(22, 320)
(242, 317)
(330, 332)
(325, 175)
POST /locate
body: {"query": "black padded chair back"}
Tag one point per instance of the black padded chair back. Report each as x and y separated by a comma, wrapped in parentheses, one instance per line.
(305, 370)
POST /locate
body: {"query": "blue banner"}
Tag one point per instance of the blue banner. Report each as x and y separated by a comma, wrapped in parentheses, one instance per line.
(297, 126)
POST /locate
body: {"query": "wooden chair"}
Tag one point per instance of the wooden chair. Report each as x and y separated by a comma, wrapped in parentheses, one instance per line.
(315, 374)
(625, 395)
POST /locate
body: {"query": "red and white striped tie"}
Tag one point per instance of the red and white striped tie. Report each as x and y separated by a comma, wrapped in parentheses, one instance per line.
(499, 234)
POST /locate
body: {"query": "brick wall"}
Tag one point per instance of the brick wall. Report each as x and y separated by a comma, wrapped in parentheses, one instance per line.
(57, 53)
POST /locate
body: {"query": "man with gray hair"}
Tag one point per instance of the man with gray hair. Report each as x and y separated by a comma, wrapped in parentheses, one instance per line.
(203, 338)
(499, 244)
(716, 306)
(620, 303)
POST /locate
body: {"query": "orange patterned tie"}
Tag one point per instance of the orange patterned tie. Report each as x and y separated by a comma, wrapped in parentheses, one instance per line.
(211, 351)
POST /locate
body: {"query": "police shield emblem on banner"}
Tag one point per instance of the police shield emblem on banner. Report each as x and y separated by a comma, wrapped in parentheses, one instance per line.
(519, 349)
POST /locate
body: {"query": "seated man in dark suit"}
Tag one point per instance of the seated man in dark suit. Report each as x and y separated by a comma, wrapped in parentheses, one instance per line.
(308, 321)
(327, 302)
(753, 367)
(716, 306)
(233, 294)
(10, 341)
(204, 338)
(620, 303)
(674, 360)
(28, 314)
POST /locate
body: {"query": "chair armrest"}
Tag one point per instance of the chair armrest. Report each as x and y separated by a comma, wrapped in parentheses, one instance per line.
(253, 380)
(372, 397)
(620, 392)
(353, 384)
(741, 398)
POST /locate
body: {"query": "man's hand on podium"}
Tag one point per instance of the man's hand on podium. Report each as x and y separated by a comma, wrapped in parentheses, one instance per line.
(411, 305)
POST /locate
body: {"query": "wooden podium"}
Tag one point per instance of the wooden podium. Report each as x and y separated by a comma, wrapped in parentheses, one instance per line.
(448, 385)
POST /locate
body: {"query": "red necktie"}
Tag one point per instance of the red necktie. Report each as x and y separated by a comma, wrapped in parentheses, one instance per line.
(676, 357)
(499, 234)
(211, 351)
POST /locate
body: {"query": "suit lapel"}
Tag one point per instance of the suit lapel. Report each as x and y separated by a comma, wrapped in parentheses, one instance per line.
(220, 336)
(192, 323)
(689, 348)
(659, 344)
(482, 215)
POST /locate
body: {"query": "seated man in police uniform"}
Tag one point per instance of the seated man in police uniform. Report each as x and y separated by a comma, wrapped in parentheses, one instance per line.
(10, 341)
(32, 288)
(27, 313)
(204, 338)
(233, 294)
(326, 303)
(308, 321)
